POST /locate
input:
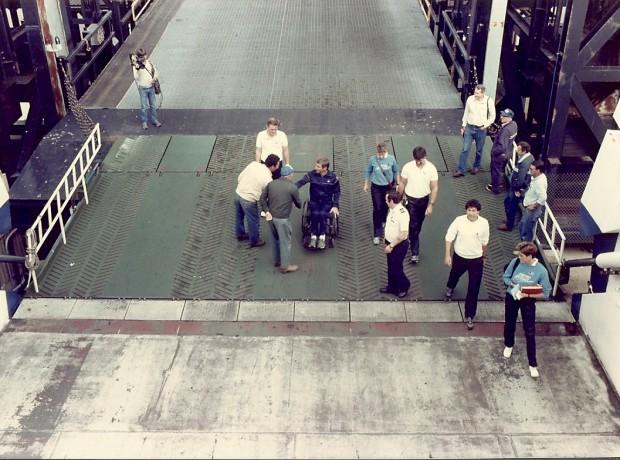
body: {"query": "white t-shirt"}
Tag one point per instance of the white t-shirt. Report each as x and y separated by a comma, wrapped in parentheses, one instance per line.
(419, 179)
(271, 144)
(468, 236)
(252, 180)
(397, 221)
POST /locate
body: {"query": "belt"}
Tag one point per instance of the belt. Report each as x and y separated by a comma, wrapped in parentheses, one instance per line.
(475, 126)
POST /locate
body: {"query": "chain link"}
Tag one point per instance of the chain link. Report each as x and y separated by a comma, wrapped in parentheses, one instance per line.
(84, 120)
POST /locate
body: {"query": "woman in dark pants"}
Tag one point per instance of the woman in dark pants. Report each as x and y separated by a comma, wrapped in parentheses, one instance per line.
(525, 270)
(382, 172)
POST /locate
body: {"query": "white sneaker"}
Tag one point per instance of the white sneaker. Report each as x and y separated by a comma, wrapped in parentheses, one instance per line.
(312, 243)
(321, 242)
(376, 240)
(534, 372)
(507, 352)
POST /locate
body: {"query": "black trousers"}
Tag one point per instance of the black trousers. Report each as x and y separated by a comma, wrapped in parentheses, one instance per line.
(379, 207)
(417, 213)
(397, 280)
(528, 315)
(473, 267)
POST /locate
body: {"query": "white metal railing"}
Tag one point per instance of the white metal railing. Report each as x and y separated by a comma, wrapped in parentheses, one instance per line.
(551, 235)
(135, 15)
(51, 214)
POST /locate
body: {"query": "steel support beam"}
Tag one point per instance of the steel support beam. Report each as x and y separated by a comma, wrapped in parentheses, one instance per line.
(600, 37)
(494, 46)
(587, 110)
(558, 116)
(608, 74)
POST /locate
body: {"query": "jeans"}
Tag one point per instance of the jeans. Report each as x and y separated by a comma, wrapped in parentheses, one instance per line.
(281, 231)
(511, 207)
(417, 213)
(528, 315)
(528, 222)
(477, 135)
(379, 207)
(147, 100)
(247, 210)
(319, 213)
(498, 162)
(397, 280)
(473, 267)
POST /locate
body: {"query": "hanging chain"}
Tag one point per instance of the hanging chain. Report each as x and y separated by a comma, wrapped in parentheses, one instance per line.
(84, 120)
(474, 72)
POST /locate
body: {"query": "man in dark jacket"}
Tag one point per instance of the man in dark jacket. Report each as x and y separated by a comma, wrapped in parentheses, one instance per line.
(277, 201)
(324, 197)
(519, 182)
(502, 149)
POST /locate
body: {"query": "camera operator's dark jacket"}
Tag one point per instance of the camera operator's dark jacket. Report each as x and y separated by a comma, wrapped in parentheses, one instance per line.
(502, 145)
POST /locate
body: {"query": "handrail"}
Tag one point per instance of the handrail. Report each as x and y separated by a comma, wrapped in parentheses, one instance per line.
(133, 9)
(556, 231)
(51, 213)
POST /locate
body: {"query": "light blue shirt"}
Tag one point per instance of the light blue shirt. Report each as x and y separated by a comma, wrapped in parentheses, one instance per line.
(537, 191)
(527, 275)
(376, 165)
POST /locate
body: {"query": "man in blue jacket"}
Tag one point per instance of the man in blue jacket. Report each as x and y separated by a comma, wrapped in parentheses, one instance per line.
(324, 198)
(519, 182)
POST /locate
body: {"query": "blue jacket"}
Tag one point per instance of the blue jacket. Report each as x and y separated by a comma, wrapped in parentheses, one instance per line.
(323, 189)
(520, 179)
(527, 275)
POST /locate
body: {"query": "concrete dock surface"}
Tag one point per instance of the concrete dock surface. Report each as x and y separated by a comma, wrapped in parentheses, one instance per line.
(301, 396)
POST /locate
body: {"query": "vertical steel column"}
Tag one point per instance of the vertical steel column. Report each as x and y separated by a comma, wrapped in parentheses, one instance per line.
(567, 60)
(40, 41)
(494, 46)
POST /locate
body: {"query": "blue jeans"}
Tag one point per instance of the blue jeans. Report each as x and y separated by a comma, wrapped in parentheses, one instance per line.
(476, 135)
(281, 231)
(147, 101)
(528, 222)
(511, 206)
(247, 210)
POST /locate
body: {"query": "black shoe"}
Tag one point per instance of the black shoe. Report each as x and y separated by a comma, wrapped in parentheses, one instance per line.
(449, 292)
(243, 237)
(402, 294)
(258, 244)
(386, 290)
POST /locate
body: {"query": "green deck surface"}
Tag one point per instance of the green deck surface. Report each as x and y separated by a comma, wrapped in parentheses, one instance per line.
(149, 262)
(304, 150)
(172, 234)
(138, 154)
(187, 154)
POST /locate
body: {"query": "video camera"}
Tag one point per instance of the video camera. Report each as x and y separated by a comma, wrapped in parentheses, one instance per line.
(137, 61)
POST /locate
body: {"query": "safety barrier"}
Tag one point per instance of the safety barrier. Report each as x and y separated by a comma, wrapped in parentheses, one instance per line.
(144, 3)
(51, 213)
(551, 235)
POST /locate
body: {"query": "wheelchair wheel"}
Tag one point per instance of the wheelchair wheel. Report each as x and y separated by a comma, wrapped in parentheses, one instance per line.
(305, 219)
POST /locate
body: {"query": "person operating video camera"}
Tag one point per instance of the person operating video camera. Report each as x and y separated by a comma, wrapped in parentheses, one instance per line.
(147, 80)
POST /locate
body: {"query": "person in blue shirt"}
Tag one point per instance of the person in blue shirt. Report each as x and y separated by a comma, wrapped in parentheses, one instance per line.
(324, 198)
(525, 270)
(382, 173)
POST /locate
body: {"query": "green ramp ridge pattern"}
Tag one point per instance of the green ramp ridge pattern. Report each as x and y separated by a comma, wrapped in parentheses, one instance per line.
(154, 233)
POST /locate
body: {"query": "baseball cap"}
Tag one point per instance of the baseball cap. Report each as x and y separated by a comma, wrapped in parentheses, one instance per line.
(287, 170)
(507, 113)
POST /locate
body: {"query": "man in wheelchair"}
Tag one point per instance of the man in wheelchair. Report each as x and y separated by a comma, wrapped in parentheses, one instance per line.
(324, 197)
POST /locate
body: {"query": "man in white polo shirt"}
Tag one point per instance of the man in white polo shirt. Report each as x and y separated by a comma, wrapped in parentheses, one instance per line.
(420, 182)
(271, 140)
(470, 234)
(250, 184)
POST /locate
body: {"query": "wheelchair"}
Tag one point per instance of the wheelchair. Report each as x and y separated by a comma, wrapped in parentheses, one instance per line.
(331, 231)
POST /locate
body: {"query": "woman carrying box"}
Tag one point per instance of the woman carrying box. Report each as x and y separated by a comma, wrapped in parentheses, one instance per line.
(526, 280)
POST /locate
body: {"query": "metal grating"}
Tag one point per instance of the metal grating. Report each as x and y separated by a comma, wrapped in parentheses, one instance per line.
(212, 266)
(300, 54)
(83, 266)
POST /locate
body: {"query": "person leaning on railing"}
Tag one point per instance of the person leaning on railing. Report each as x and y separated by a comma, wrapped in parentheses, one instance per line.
(534, 200)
